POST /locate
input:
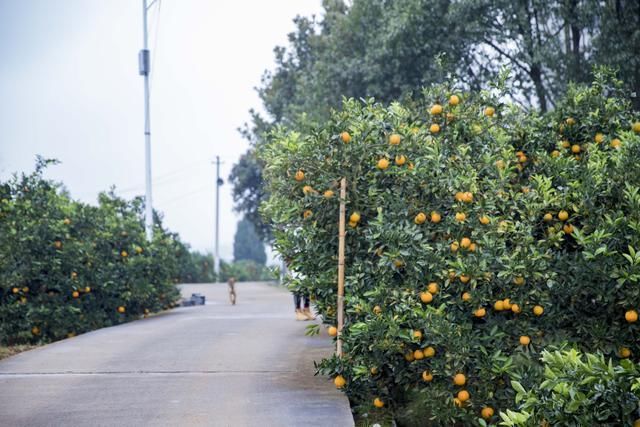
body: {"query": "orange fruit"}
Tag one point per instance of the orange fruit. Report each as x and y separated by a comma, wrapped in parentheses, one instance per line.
(35, 330)
(377, 309)
(417, 334)
(575, 148)
(515, 308)
(429, 352)
(566, 143)
(631, 316)
(487, 412)
(436, 109)
(498, 305)
(409, 357)
(538, 310)
(339, 381)
(636, 127)
(332, 331)
(355, 217)
(426, 297)
(465, 242)
(435, 217)
(570, 121)
(464, 278)
(616, 143)
(463, 395)
(87, 289)
(394, 139)
(418, 355)
(383, 164)
(433, 288)
(420, 218)
(518, 280)
(121, 309)
(547, 217)
(427, 376)
(459, 379)
(307, 214)
(555, 153)
(455, 246)
(460, 216)
(480, 312)
(598, 138)
(466, 296)
(525, 340)
(299, 175)
(563, 215)
(139, 250)
(328, 194)
(484, 220)
(567, 228)
(624, 352)
(124, 254)
(459, 196)
(346, 138)
(455, 100)
(374, 371)
(75, 294)
(434, 128)
(401, 160)
(467, 197)
(307, 189)
(472, 247)
(506, 304)
(66, 221)
(378, 403)
(489, 111)
(457, 402)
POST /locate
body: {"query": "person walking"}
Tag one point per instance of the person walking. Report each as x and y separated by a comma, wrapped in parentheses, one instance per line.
(302, 306)
(232, 290)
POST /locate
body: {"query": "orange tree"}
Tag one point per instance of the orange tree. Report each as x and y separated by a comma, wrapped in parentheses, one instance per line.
(478, 235)
(67, 267)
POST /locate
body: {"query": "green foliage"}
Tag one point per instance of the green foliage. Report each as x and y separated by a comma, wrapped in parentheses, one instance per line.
(66, 267)
(492, 179)
(247, 245)
(579, 390)
(195, 267)
(246, 271)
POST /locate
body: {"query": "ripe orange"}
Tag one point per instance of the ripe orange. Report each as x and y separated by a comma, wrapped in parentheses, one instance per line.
(307, 189)
(35, 330)
(480, 312)
(484, 220)
(346, 138)
(563, 215)
(575, 148)
(463, 395)
(426, 297)
(121, 309)
(433, 288)
(518, 280)
(339, 381)
(427, 376)
(328, 194)
(434, 128)
(489, 111)
(487, 412)
(401, 160)
(378, 403)
(515, 308)
(506, 304)
(394, 139)
(355, 217)
(299, 175)
(75, 294)
(429, 352)
(460, 216)
(566, 143)
(455, 100)
(472, 247)
(459, 379)
(383, 164)
(467, 197)
(598, 138)
(332, 331)
(555, 153)
(455, 246)
(420, 218)
(435, 217)
(538, 310)
(624, 352)
(570, 121)
(459, 196)
(417, 334)
(15, 290)
(66, 221)
(466, 296)
(547, 217)
(568, 228)
(307, 214)
(616, 143)
(636, 127)
(436, 109)
(377, 309)
(139, 250)
(631, 316)
(57, 244)
(374, 371)
(124, 254)
(498, 305)
(418, 355)
(525, 340)
(465, 242)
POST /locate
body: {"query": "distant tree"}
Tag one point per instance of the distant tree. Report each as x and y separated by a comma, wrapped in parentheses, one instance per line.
(247, 244)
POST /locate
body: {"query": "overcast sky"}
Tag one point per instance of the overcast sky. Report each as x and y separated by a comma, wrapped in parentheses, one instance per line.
(70, 89)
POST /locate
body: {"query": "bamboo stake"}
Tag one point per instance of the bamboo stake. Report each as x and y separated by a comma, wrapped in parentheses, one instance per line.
(343, 196)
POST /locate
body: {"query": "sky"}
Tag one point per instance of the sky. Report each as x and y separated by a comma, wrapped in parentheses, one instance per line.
(70, 90)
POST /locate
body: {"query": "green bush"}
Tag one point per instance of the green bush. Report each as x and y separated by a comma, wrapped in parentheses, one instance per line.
(579, 390)
(479, 234)
(67, 267)
(245, 271)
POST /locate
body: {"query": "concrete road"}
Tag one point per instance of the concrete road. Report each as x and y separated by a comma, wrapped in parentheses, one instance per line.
(213, 365)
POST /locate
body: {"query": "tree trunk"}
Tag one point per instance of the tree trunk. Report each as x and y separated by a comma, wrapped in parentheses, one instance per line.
(536, 77)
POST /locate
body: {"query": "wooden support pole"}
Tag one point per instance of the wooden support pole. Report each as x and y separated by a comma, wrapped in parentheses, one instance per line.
(341, 236)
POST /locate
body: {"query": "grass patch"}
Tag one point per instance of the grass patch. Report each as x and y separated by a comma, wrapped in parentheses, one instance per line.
(8, 351)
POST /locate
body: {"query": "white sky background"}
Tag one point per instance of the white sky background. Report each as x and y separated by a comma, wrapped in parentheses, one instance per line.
(70, 89)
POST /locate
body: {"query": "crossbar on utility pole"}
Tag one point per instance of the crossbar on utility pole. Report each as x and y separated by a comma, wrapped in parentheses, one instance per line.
(144, 65)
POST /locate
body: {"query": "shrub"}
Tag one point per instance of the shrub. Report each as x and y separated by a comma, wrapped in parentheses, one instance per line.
(245, 271)
(479, 234)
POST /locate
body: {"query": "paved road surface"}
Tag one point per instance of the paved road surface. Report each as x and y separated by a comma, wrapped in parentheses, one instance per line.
(213, 365)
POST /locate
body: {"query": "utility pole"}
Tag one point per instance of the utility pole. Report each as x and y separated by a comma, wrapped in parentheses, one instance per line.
(219, 182)
(144, 68)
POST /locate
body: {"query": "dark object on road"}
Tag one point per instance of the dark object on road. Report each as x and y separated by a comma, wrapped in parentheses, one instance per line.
(232, 290)
(196, 299)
